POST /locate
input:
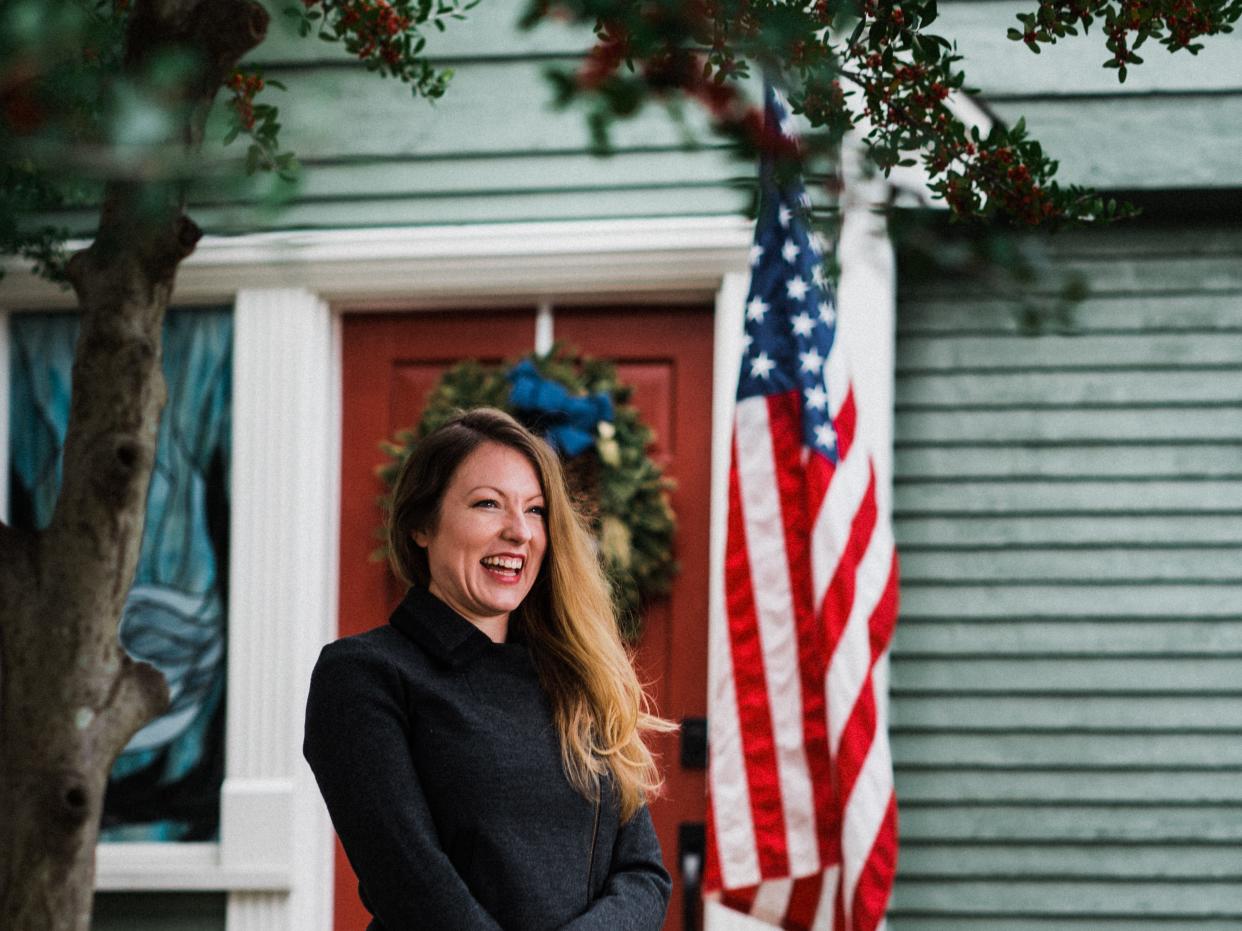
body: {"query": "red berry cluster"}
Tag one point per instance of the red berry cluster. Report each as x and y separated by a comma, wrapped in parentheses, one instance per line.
(908, 94)
(822, 108)
(1180, 22)
(996, 176)
(611, 48)
(1186, 21)
(371, 28)
(244, 87)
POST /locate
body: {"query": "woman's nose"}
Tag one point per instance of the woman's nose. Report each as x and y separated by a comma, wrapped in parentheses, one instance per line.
(517, 527)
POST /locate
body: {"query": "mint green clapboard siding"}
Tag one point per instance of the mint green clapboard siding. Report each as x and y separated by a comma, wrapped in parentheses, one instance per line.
(493, 150)
(1067, 670)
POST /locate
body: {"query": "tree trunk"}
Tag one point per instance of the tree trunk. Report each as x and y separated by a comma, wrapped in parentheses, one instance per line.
(70, 697)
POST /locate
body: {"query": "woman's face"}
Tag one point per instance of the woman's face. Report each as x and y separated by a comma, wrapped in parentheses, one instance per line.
(488, 542)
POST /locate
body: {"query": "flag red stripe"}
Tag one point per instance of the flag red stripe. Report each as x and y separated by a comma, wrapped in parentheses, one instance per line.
(711, 856)
(754, 713)
(804, 902)
(840, 595)
(860, 731)
(819, 473)
(876, 881)
(884, 617)
(845, 424)
(740, 899)
(785, 418)
(856, 740)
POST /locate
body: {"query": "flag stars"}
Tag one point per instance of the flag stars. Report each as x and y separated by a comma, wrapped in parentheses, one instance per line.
(756, 253)
(812, 361)
(747, 340)
(761, 366)
(796, 288)
(784, 215)
(757, 309)
(818, 276)
(816, 398)
(803, 324)
(827, 313)
(790, 251)
(825, 437)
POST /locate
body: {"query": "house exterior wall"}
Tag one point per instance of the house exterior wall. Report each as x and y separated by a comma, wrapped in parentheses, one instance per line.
(1066, 672)
(1046, 782)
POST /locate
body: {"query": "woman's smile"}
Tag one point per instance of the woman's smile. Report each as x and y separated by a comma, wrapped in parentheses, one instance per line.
(506, 567)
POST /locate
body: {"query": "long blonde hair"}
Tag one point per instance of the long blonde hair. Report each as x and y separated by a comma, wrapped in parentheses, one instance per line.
(601, 712)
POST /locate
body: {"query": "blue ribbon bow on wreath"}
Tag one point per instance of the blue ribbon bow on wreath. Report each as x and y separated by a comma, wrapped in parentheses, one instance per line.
(566, 421)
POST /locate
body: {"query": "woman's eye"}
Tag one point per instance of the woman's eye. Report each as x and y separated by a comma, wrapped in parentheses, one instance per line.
(486, 503)
(538, 510)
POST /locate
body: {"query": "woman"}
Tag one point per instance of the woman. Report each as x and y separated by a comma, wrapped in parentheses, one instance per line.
(482, 755)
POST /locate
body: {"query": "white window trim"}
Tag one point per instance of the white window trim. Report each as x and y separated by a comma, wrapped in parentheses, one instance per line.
(290, 291)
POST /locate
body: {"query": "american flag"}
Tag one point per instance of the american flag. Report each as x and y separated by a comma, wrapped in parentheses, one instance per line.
(802, 818)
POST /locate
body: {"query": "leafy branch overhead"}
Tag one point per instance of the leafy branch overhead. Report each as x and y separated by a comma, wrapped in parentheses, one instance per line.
(872, 64)
(1126, 25)
(387, 37)
(77, 110)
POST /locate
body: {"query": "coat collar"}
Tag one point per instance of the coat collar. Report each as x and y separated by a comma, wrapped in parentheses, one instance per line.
(442, 632)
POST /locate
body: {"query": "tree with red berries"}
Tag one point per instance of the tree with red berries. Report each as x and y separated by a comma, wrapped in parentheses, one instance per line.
(105, 102)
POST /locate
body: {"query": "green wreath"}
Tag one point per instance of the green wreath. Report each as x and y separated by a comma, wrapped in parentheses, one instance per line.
(613, 480)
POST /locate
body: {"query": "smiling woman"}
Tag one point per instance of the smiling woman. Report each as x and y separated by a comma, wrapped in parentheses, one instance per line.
(483, 756)
(486, 545)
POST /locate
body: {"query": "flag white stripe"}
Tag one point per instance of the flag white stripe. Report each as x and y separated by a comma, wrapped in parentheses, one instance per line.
(836, 376)
(831, 530)
(852, 658)
(730, 793)
(824, 911)
(772, 900)
(774, 610)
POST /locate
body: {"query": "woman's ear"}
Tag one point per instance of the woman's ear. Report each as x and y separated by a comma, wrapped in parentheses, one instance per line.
(419, 537)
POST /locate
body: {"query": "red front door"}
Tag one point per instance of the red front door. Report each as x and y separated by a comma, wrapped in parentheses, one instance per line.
(391, 362)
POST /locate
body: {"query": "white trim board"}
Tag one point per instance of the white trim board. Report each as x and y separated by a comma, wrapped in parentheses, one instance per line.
(449, 265)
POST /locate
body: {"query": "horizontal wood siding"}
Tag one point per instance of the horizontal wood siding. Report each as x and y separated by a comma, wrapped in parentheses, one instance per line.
(494, 150)
(1067, 670)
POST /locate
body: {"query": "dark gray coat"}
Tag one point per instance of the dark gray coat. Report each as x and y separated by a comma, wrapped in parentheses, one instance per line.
(437, 757)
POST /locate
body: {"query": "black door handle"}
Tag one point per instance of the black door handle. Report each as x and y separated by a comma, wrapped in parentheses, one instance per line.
(691, 847)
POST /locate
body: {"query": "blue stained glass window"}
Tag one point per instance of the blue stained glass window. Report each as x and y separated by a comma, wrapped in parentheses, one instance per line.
(166, 784)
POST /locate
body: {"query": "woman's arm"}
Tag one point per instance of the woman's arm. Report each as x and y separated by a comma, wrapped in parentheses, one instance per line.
(357, 745)
(635, 897)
